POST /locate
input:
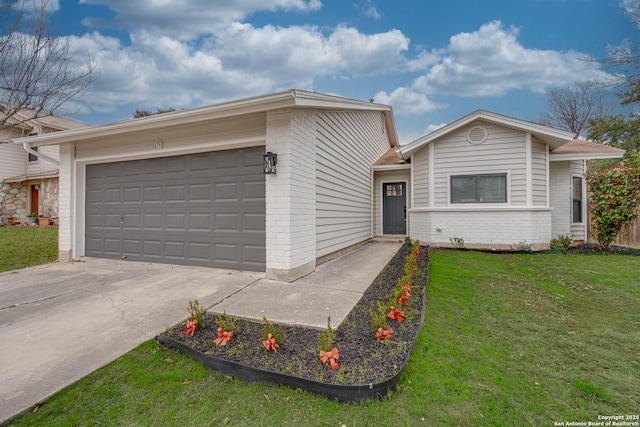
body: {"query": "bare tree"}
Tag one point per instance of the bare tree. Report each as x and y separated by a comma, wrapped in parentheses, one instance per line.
(572, 107)
(37, 72)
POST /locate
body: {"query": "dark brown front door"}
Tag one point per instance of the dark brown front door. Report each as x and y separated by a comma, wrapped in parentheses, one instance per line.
(34, 199)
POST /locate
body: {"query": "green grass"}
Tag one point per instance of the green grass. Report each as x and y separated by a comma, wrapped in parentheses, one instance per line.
(508, 340)
(22, 247)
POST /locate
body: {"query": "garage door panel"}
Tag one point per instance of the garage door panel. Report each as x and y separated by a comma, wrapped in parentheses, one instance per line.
(204, 209)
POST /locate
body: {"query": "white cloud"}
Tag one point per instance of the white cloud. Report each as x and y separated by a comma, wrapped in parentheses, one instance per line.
(630, 6)
(407, 102)
(423, 61)
(491, 61)
(201, 17)
(432, 128)
(371, 11)
(160, 72)
(240, 61)
(295, 53)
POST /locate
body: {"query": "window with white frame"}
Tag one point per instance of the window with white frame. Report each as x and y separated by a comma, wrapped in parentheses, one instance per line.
(33, 157)
(576, 199)
(479, 188)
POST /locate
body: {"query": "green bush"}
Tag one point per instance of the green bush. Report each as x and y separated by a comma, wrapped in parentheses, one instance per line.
(562, 242)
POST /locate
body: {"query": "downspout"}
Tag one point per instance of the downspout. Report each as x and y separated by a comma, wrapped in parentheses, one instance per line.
(28, 149)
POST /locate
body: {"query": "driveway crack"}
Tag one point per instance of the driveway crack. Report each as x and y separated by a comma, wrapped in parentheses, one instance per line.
(34, 301)
(232, 294)
(123, 315)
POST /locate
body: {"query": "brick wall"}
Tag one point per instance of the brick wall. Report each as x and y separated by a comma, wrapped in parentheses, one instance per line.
(478, 228)
(291, 195)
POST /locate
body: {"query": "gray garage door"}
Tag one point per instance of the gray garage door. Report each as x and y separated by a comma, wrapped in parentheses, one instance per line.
(205, 209)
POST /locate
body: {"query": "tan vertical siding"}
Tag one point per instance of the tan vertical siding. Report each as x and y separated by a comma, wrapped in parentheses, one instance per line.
(504, 151)
(421, 177)
(539, 173)
(348, 144)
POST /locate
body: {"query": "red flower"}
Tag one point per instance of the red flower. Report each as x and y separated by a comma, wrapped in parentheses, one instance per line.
(384, 334)
(223, 337)
(330, 357)
(270, 343)
(396, 314)
(191, 327)
(403, 299)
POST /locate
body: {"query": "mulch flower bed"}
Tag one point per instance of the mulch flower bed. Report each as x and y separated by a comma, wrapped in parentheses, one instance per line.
(362, 358)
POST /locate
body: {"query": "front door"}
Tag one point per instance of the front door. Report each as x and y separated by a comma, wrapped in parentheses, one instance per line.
(34, 199)
(394, 208)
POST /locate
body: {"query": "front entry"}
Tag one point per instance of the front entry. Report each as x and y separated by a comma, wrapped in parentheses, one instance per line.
(34, 199)
(394, 208)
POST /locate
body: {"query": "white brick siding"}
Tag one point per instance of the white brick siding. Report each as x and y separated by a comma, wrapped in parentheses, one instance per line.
(496, 228)
(291, 195)
(66, 202)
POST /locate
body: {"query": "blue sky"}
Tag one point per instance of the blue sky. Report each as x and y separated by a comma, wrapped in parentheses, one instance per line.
(433, 61)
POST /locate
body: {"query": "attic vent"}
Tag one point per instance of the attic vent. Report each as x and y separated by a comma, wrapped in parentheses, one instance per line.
(477, 135)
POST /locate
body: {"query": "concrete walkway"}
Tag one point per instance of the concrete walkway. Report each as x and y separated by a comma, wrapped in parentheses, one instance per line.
(59, 322)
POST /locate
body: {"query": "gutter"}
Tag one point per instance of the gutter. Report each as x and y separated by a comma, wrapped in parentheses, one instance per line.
(44, 157)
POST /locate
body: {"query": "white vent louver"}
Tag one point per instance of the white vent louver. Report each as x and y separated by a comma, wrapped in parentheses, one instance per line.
(477, 135)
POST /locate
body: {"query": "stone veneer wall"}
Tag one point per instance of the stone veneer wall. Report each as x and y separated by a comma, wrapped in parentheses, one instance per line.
(14, 198)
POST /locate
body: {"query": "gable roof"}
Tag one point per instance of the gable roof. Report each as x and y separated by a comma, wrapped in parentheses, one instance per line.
(551, 136)
(26, 120)
(291, 98)
(579, 149)
(390, 158)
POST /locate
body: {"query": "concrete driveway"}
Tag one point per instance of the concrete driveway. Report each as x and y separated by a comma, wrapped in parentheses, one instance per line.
(62, 321)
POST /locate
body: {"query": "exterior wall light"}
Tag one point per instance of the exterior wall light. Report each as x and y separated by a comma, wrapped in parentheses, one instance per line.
(270, 160)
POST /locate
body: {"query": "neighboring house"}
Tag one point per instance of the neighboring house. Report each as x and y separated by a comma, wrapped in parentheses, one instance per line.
(28, 181)
(493, 181)
(188, 187)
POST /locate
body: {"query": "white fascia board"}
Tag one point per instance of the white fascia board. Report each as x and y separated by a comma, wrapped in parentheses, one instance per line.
(585, 156)
(285, 99)
(391, 167)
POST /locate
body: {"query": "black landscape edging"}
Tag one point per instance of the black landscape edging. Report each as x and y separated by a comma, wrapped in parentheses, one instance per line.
(249, 374)
(341, 393)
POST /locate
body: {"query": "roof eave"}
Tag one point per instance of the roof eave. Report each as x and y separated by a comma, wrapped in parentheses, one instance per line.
(400, 166)
(285, 99)
(584, 156)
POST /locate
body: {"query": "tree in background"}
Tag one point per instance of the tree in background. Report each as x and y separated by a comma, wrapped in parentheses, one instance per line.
(570, 108)
(617, 131)
(144, 113)
(37, 72)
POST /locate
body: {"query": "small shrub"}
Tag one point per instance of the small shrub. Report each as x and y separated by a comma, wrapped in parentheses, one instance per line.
(562, 242)
(379, 317)
(407, 240)
(457, 242)
(196, 312)
(328, 353)
(327, 337)
(227, 323)
(276, 332)
(523, 246)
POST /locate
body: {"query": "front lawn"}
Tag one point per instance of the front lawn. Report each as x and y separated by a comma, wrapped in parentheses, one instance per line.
(508, 340)
(22, 247)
